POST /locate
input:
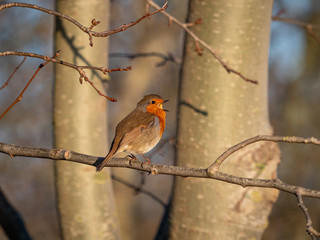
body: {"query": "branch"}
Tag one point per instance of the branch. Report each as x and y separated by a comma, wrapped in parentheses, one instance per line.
(198, 41)
(80, 69)
(309, 27)
(296, 22)
(25, 88)
(14, 71)
(60, 154)
(215, 166)
(309, 228)
(139, 189)
(165, 58)
(87, 30)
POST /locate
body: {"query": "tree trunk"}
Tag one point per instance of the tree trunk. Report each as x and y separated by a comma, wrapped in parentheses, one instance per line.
(85, 198)
(218, 110)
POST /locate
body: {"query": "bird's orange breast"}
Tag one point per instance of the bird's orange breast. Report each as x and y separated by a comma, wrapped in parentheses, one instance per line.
(157, 110)
(162, 119)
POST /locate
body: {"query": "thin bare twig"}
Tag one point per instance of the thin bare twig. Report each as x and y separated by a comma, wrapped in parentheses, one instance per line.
(296, 22)
(139, 189)
(308, 26)
(87, 30)
(201, 42)
(25, 88)
(215, 166)
(198, 21)
(311, 33)
(309, 228)
(162, 143)
(80, 69)
(14, 71)
(165, 58)
(83, 75)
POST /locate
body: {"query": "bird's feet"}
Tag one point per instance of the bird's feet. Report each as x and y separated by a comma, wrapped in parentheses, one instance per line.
(132, 158)
(147, 160)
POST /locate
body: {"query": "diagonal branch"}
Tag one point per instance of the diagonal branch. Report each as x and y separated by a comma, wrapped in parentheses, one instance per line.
(18, 99)
(14, 71)
(201, 42)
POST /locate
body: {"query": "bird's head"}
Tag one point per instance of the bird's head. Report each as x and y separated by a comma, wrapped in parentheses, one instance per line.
(152, 103)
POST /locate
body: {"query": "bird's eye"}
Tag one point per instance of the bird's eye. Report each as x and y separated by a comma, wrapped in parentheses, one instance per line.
(153, 102)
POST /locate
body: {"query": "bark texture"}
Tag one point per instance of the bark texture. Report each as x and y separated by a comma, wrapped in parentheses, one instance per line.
(218, 110)
(85, 198)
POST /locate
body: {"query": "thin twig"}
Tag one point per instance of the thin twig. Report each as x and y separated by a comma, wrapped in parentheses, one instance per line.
(309, 228)
(165, 58)
(14, 71)
(80, 69)
(83, 75)
(161, 144)
(296, 22)
(87, 30)
(201, 42)
(154, 169)
(25, 88)
(130, 185)
(311, 33)
(215, 166)
(308, 26)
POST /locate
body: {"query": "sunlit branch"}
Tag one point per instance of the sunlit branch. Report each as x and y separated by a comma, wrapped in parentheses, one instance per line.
(215, 166)
(199, 41)
(80, 69)
(60, 154)
(308, 26)
(18, 99)
(87, 30)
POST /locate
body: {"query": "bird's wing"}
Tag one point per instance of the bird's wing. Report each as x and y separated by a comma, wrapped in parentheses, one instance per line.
(142, 121)
(127, 130)
(133, 134)
(133, 120)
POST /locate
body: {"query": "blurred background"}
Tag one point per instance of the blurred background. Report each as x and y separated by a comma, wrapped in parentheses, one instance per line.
(294, 98)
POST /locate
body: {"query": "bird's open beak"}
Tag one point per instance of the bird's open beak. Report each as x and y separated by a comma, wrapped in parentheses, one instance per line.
(164, 101)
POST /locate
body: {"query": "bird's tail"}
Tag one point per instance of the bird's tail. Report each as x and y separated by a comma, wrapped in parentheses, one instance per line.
(113, 150)
(104, 162)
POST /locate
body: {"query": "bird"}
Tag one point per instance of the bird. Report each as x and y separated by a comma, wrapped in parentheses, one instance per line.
(140, 131)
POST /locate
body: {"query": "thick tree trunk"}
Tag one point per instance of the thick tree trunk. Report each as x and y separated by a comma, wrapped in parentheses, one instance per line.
(85, 198)
(218, 110)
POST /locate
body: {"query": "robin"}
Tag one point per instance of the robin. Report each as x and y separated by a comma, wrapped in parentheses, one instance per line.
(140, 131)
